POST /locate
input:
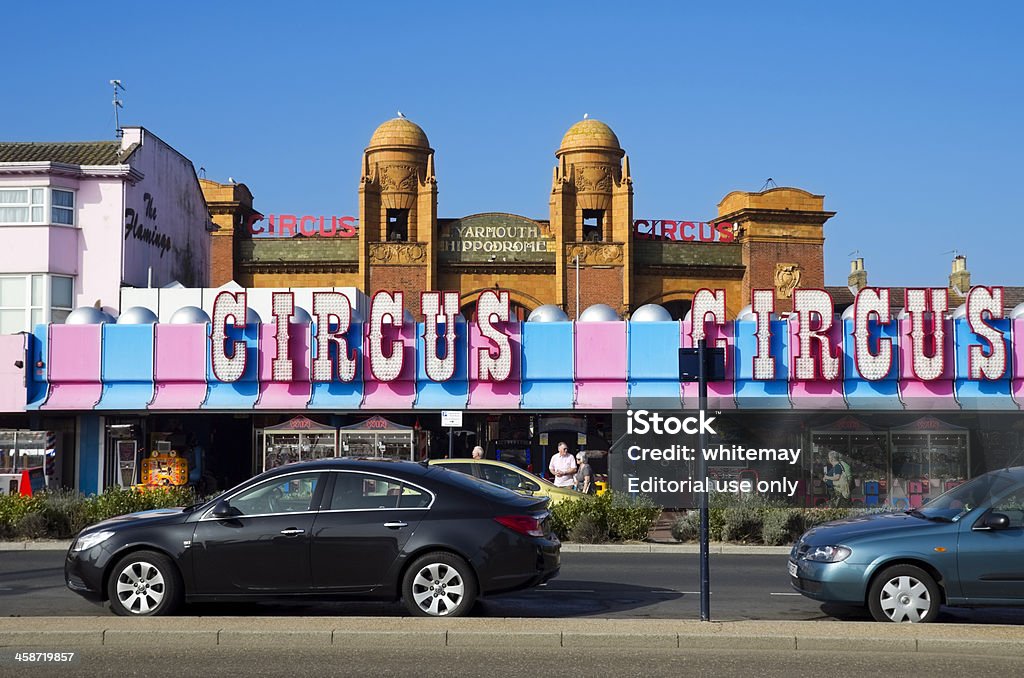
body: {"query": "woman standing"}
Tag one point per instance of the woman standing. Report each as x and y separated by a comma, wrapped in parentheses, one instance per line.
(584, 475)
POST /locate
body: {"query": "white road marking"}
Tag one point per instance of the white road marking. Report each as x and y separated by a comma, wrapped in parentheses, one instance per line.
(785, 594)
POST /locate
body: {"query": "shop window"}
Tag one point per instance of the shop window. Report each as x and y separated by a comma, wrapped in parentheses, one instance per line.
(926, 464)
(398, 225)
(867, 456)
(593, 225)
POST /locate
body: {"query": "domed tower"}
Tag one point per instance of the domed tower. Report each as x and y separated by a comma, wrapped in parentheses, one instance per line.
(398, 211)
(592, 218)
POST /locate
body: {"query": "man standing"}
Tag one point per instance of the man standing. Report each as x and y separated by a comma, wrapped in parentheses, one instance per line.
(478, 452)
(563, 467)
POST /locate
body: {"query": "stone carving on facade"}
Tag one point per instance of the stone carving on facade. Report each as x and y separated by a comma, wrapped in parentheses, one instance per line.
(398, 177)
(594, 178)
(787, 279)
(398, 253)
(595, 254)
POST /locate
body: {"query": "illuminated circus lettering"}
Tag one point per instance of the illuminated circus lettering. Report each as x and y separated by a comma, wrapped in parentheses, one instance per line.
(817, 346)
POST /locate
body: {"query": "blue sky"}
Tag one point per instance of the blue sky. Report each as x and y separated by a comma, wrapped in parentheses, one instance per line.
(907, 116)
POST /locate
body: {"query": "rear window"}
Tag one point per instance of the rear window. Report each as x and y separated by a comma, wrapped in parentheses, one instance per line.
(474, 484)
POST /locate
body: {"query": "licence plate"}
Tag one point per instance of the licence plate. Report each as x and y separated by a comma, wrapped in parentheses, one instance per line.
(792, 569)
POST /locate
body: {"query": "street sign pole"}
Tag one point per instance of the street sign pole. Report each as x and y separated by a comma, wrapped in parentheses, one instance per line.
(702, 391)
(451, 419)
(702, 365)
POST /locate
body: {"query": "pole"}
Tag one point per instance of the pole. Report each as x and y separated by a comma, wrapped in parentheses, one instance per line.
(577, 287)
(705, 581)
(450, 441)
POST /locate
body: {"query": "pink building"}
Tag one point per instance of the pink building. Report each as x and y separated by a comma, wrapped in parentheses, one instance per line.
(83, 219)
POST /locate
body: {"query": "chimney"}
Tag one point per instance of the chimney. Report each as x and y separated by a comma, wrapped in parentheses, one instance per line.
(960, 278)
(858, 278)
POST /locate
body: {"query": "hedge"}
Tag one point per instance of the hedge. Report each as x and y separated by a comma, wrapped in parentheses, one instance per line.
(61, 514)
(754, 520)
(611, 516)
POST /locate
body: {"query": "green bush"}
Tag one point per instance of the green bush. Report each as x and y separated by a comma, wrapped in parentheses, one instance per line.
(61, 514)
(30, 526)
(742, 524)
(619, 516)
(753, 519)
(631, 518)
(588, 531)
(65, 513)
(687, 528)
(13, 508)
(566, 514)
(782, 526)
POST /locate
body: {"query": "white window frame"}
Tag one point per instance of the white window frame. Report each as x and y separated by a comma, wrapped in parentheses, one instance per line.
(45, 304)
(46, 207)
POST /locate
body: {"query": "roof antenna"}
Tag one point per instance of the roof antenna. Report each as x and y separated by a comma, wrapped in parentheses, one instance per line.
(768, 183)
(117, 104)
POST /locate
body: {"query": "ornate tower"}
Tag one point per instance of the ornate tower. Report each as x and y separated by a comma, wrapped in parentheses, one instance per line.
(782, 234)
(398, 212)
(592, 219)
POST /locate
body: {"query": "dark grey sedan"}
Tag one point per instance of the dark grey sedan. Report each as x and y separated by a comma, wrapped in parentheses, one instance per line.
(329, 529)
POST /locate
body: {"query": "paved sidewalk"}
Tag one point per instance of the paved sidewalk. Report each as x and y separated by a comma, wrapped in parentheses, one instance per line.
(58, 633)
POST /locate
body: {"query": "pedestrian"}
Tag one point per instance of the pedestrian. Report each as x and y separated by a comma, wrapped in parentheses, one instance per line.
(478, 452)
(563, 467)
(837, 479)
(584, 475)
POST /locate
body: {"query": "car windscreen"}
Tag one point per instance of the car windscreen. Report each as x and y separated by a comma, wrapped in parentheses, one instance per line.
(962, 499)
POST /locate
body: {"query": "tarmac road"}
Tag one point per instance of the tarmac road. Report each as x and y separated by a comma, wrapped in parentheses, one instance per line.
(156, 661)
(607, 585)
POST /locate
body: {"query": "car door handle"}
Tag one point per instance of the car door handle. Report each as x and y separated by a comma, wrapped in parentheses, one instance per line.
(292, 531)
(396, 525)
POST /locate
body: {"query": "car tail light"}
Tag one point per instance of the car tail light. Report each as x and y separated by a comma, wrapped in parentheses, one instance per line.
(527, 525)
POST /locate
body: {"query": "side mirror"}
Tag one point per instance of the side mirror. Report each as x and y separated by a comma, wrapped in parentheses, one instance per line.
(997, 521)
(224, 510)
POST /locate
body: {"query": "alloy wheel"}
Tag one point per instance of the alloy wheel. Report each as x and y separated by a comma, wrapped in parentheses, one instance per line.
(140, 587)
(438, 589)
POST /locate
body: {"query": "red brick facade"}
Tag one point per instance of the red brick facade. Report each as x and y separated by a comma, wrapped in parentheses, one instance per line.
(412, 280)
(597, 286)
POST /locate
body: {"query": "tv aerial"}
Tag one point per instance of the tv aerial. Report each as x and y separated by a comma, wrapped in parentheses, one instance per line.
(118, 104)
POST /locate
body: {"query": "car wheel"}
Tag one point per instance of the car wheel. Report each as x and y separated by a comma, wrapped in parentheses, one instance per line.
(439, 585)
(144, 584)
(904, 593)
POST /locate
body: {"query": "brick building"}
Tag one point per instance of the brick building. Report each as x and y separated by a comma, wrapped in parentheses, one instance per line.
(770, 240)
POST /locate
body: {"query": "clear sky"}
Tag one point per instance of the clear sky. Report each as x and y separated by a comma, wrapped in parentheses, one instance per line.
(907, 116)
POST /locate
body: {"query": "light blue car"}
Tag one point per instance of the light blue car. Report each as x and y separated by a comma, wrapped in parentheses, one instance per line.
(964, 548)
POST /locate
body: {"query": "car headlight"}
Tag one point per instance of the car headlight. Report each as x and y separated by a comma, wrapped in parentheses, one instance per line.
(828, 554)
(87, 541)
